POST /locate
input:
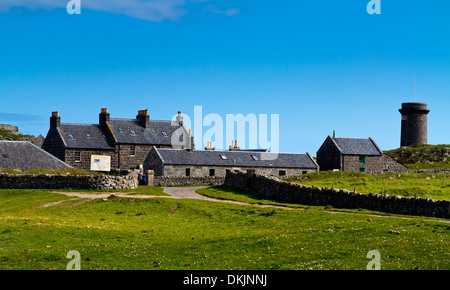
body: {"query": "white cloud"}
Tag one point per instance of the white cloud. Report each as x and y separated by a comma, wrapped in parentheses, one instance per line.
(152, 10)
(228, 12)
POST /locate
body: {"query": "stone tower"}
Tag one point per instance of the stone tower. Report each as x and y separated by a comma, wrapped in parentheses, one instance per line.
(414, 124)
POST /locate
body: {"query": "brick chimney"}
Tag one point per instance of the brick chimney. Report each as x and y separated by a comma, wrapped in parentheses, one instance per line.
(103, 116)
(55, 120)
(143, 117)
(180, 119)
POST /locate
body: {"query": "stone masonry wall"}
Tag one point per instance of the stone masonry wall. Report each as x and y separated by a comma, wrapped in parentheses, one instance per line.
(373, 165)
(273, 188)
(46, 181)
(220, 171)
(181, 180)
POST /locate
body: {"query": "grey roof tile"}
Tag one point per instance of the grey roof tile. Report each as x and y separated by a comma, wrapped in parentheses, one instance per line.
(357, 146)
(27, 156)
(84, 136)
(130, 131)
(235, 158)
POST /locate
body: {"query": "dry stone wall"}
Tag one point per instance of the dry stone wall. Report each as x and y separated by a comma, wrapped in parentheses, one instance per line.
(46, 181)
(274, 188)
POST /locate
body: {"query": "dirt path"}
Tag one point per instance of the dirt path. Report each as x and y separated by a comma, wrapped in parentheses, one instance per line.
(189, 193)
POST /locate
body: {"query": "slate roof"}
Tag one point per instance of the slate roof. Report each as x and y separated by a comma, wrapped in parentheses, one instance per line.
(84, 136)
(235, 158)
(130, 131)
(125, 131)
(27, 156)
(357, 146)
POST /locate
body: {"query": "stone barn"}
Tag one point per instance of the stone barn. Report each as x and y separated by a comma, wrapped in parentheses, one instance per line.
(211, 163)
(355, 154)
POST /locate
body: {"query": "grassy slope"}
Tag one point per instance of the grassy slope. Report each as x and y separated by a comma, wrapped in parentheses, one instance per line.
(139, 234)
(422, 156)
(436, 186)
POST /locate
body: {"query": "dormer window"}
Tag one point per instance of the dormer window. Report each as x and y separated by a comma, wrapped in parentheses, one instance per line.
(164, 133)
(88, 135)
(223, 157)
(133, 132)
(71, 137)
(6, 156)
(153, 131)
(120, 130)
(255, 157)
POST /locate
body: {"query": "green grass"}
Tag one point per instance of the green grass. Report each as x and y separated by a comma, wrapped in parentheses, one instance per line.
(422, 156)
(436, 186)
(7, 134)
(65, 171)
(141, 190)
(123, 233)
(229, 193)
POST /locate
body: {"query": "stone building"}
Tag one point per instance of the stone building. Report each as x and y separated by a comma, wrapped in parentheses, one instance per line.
(24, 155)
(355, 154)
(211, 163)
(126, 141)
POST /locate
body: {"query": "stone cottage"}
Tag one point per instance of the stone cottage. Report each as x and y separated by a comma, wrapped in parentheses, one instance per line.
(211, 163)
(127, 141)
(24, 155)
(355, 154)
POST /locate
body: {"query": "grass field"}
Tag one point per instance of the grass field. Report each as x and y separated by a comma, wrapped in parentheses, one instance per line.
(422, 156)
(436, 186)
(124, 233)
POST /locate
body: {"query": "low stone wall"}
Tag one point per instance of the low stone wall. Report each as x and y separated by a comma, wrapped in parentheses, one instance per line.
(182, 180)
(273, 188)
(431, 171)
(46, 181)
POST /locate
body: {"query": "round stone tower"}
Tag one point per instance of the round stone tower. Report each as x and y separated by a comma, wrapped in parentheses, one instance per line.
(414, 124)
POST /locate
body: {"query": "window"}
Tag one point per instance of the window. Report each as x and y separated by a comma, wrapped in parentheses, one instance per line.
(223, 157)
(153, 131)
(71, 137)
(132, 151)
(164, 133)
(5, 156)
(77, 156)
(255, 157)
(120, 130)
(133, 132)
(304, 172)
(212, 172)
(282, 173)
(188, 172)
(362, 159)
(362, 170)
(88, 135)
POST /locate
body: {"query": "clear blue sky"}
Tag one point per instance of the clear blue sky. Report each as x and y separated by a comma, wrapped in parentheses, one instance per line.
(320, 65)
